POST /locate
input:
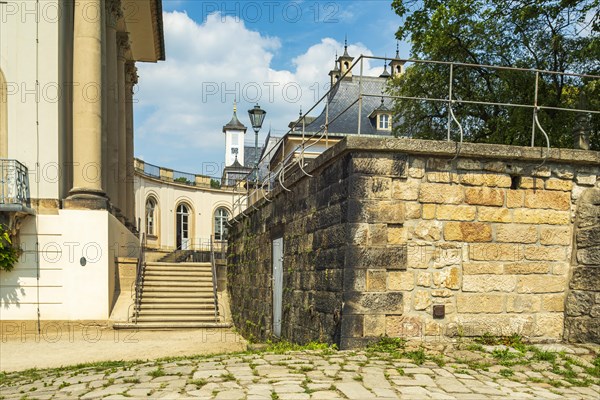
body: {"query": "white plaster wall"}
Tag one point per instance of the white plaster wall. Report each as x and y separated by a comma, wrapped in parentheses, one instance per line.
(66, 290)
(204, 203)
(229, 143)
(22, 64)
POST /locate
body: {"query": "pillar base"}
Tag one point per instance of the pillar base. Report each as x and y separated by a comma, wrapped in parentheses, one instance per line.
(86, 199)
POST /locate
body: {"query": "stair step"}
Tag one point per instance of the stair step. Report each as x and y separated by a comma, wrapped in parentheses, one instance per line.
(177, 278)
(177, 289)
(190, 283)
(179, 273)
(179, 295)
(178, 306)
(176, 265)
(173, 300)
(179, 311)
(172, 325)
(176, 318)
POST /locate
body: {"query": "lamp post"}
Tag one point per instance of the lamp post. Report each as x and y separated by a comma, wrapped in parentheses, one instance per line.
(257, 116)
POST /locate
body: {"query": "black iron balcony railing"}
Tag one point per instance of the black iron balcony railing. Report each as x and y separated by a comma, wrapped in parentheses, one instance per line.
(14, 183)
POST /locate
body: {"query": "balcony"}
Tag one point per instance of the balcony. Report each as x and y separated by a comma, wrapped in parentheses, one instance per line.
(14, 188)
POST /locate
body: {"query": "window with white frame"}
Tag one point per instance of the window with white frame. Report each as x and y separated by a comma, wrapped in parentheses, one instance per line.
(150, 216)
(221, 217)
(384, 121)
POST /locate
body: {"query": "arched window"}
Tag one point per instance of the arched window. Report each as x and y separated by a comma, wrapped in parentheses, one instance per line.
(3, 117)
(183, 226)
(151, 216)
(221, 217)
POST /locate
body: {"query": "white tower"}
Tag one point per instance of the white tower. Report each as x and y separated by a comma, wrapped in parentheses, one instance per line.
(234, 139)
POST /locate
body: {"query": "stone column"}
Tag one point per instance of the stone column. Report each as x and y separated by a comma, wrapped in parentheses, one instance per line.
(87, 189)
(131, 79)
(113, 13)
(123, 44)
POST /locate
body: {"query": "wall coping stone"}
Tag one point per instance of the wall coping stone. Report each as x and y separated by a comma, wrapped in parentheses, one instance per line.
(434, 148)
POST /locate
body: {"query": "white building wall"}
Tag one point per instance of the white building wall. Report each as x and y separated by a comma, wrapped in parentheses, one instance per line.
(24, 62)
(66, 290)
(230, 142)
(203, 201)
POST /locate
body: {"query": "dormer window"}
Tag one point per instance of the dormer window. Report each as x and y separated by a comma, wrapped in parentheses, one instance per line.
(381, 117)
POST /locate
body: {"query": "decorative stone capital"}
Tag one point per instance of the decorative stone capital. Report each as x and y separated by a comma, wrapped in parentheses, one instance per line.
(131, 76)
(123, 44)
(113, 12)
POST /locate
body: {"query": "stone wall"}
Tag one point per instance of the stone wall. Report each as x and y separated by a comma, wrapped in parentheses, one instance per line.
(310, 219)
(389, 231)
(583, 302)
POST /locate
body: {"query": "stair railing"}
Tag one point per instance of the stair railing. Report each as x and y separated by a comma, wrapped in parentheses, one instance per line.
(139, 277)
(214, 277)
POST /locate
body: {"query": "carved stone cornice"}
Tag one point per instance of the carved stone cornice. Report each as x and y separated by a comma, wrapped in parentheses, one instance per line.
(113, 12)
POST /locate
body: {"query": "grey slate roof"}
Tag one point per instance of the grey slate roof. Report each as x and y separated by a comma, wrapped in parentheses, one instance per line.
(234, 124)
(347, 92)
(251, 155)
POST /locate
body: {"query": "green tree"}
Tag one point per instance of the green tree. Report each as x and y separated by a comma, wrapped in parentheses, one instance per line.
(554, 35)
(9, 255)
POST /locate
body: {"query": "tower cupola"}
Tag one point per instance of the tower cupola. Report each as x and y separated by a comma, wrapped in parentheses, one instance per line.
(234, 139)
(345, 61)
(397, 65)
(334, 74)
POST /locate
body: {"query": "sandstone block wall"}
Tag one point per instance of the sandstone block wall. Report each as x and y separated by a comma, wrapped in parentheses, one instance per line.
(389, 230)
(583, 302)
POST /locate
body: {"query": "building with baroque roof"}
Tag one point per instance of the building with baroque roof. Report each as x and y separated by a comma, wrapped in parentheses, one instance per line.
(341, 117)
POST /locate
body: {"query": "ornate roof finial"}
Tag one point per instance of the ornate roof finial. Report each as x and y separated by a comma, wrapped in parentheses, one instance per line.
(397, 49)
(385, 73)
(346, 47)
(234, 106)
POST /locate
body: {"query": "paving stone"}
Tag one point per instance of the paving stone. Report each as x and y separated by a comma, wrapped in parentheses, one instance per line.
(233, 394)
(413, 371)
(100, 393)
(137, 392)
(324, 395)
(354, 391)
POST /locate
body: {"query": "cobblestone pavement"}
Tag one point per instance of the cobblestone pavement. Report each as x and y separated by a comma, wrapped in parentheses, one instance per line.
(466, 371)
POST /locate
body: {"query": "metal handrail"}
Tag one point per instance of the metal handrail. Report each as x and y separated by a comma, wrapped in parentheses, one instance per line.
(309, 139)
(14, 183)
(139, 277)
(214, 277)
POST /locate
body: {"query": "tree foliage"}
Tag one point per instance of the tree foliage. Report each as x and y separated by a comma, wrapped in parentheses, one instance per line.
(9, 255)
(548, 35)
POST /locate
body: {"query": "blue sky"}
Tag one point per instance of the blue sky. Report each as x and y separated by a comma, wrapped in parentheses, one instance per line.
(249, 50)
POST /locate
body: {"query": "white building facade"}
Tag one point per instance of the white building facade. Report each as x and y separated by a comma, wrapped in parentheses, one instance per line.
(67, 71)
(181, 211)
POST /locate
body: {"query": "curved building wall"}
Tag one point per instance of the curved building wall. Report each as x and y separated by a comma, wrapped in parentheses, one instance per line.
(202, 203)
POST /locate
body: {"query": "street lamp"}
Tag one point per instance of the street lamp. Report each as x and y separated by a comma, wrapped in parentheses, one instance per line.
(257, 116)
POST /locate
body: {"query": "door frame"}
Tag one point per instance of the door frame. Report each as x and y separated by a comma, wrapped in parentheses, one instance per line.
(277, 289)
(181, 242)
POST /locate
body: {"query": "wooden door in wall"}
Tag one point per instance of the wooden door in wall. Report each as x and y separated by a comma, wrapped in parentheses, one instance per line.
(277, 285)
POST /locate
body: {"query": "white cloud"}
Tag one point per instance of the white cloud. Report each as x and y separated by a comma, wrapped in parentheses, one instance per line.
(184, 102)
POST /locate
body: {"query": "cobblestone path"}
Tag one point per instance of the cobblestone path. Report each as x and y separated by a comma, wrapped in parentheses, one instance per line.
(431, 372)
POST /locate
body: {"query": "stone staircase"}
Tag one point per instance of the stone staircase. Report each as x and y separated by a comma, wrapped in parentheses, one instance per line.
(176, 295)
(176, 256)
